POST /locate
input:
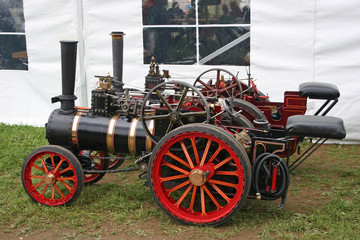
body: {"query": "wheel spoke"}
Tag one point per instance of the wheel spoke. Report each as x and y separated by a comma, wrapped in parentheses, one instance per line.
(193, 114)
(156, 117)
(44, 190)
(65, 184)
(176, 177)
(195, 151)
(59, 164)
(212, 93)
(227, 90)
(177, 159)
(233, 185)
(217, 79)
(229, 87)
(212, 197)
(52, 162)
(171, 124)
(177, 168)
(163, 99)
(181, 101)
(222, 162)
(58, 190)
(180, 122)
(202, 196)
(38, 167)
(218, 190)
(226, 173)
(43, 163)
(40, 183)
(205, 152)
(215, 154)
(53, 192)
(204, 84)
(65, 170)
(66, 178)
(186, 154)
(36, 176)
(177, 187)
(183, 195)
(192, 201)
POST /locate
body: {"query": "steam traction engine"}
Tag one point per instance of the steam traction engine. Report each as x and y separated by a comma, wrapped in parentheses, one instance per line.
(203, 150)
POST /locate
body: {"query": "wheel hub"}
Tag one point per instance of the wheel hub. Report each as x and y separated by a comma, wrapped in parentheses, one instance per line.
(198, 177)
(50, 178)
(174, 116)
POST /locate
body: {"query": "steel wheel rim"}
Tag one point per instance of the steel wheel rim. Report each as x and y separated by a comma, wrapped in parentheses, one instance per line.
(54, 185)
(191, 203)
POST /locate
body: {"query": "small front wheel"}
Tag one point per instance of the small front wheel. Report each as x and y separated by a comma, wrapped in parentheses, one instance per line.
(52, 175)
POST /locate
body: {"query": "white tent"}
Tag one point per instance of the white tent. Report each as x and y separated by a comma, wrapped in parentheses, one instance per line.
(291, 42)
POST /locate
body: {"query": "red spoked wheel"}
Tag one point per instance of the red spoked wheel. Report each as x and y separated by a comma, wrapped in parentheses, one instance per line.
(52, 175)
(93, 160)
(199, 174)
(217, 82)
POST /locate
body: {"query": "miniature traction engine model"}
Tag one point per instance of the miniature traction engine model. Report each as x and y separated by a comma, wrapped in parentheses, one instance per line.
(203, 148)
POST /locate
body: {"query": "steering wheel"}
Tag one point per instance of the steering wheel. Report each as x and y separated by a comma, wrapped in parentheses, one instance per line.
(226, 84)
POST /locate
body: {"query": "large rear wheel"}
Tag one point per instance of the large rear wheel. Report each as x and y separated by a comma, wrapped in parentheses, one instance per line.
(199, 174)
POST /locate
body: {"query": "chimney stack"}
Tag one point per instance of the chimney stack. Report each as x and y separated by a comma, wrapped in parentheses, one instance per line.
(118, 52)
(68, 69)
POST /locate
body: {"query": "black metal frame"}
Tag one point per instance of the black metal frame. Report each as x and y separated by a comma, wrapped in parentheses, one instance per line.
(324, 105)
(305, 155)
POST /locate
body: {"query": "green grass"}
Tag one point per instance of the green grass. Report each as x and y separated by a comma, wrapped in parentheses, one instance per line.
(323, 202)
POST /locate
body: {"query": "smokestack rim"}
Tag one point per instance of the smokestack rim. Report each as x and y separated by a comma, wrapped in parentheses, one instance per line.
(117, 33)
(68, 41)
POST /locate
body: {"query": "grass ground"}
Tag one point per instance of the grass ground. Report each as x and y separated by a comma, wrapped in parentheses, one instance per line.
(323, 203)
